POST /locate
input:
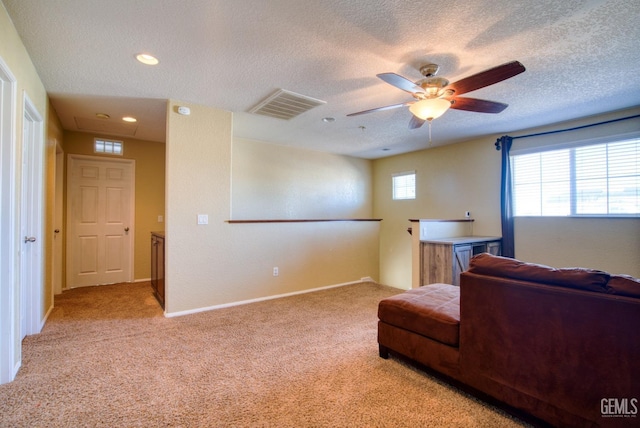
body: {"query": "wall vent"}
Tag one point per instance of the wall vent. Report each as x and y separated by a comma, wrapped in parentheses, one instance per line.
(284, 104)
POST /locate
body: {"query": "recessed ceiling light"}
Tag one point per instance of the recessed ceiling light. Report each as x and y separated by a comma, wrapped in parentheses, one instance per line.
(102, 116)
(129, 119)
(147, 59)
(328, 119)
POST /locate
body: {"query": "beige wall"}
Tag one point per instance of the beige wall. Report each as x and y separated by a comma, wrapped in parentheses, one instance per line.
(466, 177)
(609, 244)
(15, 56)
(450, 180)
(221, 263)
(149, 188)
(278, 182)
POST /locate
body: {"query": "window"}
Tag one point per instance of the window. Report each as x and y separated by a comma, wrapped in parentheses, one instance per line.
(585, 180)
(107, 146)
(404, 185)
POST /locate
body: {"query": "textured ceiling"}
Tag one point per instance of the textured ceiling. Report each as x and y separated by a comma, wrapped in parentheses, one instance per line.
(582, 58)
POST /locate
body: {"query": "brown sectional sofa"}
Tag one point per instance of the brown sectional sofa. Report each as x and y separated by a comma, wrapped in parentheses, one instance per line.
(561, 345)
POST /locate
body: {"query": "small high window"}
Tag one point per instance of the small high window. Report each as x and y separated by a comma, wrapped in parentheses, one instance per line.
(110, 147)
(404, 185)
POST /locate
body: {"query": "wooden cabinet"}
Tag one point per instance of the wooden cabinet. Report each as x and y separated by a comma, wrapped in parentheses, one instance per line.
(494, 247)
(157, 266)
(462, 254)
(444, 260)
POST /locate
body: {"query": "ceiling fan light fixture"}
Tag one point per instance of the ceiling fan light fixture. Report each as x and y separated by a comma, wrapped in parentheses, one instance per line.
(429, 109)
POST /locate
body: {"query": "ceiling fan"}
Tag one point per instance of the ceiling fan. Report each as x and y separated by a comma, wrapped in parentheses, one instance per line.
(433, 96)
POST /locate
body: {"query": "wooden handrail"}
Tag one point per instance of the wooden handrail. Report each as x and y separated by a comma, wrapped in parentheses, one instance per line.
(302, 220)
(439, 220)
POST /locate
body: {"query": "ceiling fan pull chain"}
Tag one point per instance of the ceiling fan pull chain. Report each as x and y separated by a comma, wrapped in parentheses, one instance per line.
(429, 120)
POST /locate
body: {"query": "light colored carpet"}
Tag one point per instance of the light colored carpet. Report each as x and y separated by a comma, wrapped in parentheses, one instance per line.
(108, 358)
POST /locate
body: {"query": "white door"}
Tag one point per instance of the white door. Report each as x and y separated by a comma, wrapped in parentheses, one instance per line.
(100, 202)
(31, 220)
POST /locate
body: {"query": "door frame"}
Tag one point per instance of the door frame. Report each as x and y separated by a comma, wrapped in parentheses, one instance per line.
(70, 228)
(57, 259)
(10, 358)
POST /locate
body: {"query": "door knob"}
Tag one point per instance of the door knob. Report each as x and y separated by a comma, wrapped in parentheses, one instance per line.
(126, 229)
(29, 239)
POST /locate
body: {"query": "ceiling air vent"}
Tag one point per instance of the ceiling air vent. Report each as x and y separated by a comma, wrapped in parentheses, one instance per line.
(286, 105)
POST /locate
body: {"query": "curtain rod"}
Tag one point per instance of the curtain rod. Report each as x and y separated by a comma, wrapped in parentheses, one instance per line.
(577, 127)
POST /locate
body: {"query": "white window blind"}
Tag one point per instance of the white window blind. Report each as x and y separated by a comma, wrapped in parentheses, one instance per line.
(111, 147)
(601, 179)
(404, 185)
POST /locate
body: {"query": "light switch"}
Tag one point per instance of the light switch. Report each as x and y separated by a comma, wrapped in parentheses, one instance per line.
(160, 219)
(203, 219)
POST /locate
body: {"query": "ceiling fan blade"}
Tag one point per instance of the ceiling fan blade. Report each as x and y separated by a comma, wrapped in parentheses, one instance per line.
(473, 104)
(401, 83)
(487, 77)
(415, 122)
(381, 108)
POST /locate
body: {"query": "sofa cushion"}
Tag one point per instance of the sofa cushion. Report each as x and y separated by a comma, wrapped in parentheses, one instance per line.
(432, 311)
(624, 285)
(580, 278)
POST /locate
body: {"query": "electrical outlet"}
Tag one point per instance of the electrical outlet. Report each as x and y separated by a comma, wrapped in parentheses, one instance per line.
(203, 219)
(276, 271)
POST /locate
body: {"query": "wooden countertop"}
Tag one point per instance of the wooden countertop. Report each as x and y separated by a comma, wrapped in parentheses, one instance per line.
(462, 240)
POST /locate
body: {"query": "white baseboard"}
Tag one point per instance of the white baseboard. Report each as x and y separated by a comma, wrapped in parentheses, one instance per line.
(262, 299)
(46, 317)
(16, 368)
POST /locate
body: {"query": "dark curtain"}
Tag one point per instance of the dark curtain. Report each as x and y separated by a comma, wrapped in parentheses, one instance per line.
(506, 198)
